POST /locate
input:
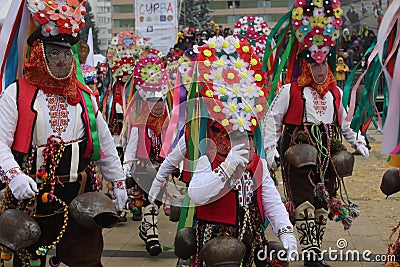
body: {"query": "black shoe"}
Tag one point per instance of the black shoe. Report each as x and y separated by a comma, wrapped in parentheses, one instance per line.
(154, 248)
(137, 216)
(320, 263)
(122, 219)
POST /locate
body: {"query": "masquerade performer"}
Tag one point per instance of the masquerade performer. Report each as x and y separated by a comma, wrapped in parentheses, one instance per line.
(311, 111)
(52, 136)
(230, 184)
(142, 153)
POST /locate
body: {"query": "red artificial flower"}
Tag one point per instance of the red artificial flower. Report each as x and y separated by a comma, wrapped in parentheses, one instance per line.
(41, 17)
(245, 50)
(231, 76)
(205, 52)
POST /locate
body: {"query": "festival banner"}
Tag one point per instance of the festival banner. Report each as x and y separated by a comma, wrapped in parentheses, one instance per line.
(157, 22)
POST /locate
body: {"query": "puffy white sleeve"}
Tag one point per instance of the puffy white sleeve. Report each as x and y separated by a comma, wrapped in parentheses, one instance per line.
(8, 125)
(348, 133)
(172, 160)
(272, 202)
(274, 117)
(109, 163)
(206, 185)
(131, 147)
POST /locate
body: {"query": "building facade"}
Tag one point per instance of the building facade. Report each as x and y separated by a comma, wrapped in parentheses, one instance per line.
(123, 15)
(102, 15)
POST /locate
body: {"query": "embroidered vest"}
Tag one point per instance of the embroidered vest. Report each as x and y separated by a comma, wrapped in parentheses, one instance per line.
(295, 112)
(26, 95)
(224, 210)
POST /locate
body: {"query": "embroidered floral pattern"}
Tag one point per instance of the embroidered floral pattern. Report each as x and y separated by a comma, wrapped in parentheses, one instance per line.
(319, 103)
(244, 186)
(58, 112)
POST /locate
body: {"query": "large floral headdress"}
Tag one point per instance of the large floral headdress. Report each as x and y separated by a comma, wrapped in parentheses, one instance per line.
(150, 77)
(231, 82)
(58, 16)
(125, 49)
(316, 24)
(255, 30)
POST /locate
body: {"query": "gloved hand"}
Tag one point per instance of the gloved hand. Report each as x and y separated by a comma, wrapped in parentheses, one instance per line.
(155, 189)
(271, 157)
(289, 242)
(22, 186)
(234, 159)
(121, 196)
(360, 147)
(127, 169)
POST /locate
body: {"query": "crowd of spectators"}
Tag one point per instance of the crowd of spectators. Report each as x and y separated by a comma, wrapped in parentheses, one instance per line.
(188, 37)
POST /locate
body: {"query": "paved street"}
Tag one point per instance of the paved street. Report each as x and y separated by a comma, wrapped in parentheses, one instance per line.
(370, 231)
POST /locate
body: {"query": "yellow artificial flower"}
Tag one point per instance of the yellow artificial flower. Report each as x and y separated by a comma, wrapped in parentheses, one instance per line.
(338, 12)
(297, 13)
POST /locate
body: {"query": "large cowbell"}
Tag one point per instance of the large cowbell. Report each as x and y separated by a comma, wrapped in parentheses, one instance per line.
(94, 209)
(18, 230)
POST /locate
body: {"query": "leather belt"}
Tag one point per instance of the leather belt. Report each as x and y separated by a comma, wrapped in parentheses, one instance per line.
(82, 177)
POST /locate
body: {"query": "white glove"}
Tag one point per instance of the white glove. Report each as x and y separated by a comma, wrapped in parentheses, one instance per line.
(121, 196)
(271, 161)
(234, 159)
(127, 169)
(23, 187)
(155, 189)
(289, 242)
(360, 147)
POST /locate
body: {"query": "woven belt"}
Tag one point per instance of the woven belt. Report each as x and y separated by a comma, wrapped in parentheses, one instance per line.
(82, 177)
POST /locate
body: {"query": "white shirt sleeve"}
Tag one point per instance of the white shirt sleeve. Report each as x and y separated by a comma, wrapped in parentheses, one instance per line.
(274, 117)
(205, 185)
(348, 133)
(172, 160)
(109, 165)
(8, 125)
(272, 202)
(131, 147)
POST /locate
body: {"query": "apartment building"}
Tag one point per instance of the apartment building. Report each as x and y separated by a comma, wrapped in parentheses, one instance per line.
(123, 15)
(102, 15)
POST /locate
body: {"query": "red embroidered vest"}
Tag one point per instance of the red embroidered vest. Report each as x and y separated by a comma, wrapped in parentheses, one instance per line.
(295, 112)
(224, 210)
(26, 95)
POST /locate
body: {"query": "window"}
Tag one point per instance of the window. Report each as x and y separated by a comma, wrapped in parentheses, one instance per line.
(123, 9)
(118, 23)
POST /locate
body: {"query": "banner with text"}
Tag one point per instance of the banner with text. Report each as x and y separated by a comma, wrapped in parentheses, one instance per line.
(157, 22)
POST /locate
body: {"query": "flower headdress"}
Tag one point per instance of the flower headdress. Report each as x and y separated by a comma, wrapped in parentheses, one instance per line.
(58, 16)
(255, 30)
(125, 49)
(89, 73)
(231, 82)
(316, 24)
(150, 77)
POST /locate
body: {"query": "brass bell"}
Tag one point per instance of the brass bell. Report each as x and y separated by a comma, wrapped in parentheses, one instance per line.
(94, 209)
(185, 243)
(18, 230)
(302, 156)
(343, 162)
(224, 251)
(390, 182)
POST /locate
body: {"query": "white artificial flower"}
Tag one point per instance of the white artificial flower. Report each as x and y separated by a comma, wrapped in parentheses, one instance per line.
(239, 64)
(229, 42)
(319, 12)
(241, 122)
(216, 75)
(49, 29)
(114, 40)
(250, 90)
(230, 107)
(222, 62)
(35, 6)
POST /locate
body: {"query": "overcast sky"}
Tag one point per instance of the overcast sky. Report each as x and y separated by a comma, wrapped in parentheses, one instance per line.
(4, 6)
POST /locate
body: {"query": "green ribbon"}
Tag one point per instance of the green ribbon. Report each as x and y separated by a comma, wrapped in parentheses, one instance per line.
(284, 59)
(89, 106)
